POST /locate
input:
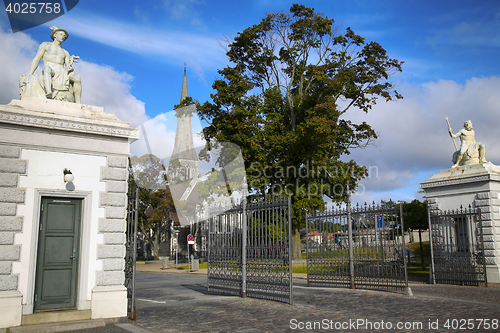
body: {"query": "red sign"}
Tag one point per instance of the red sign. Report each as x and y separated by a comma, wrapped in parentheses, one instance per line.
(190, 239)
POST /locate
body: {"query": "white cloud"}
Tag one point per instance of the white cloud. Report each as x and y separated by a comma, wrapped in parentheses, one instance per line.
(158, 136)
(414, 141)
(173, 46)
(101, 85)
(16, 54)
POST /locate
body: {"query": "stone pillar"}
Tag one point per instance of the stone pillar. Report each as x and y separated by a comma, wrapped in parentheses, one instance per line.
(109, 296)
(10, 196)
(477, 185)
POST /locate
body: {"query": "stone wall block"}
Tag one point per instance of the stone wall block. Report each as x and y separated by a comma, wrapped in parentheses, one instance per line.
(112, 225)
(6, 238)
(8, 209)
(113, 199)
(8, 179)
(14, 195)
(488, 230)
(483, 195)
(433, 206)
(489, 245)
(10, 252)
(113, 186)
(108, 173)
(113, 264)
(489, 253)
(110, 278)
(10, 152)
(110, 251)
(486, 217)
(116, 212)
(483, 202)
(10, 165)
(489, 260)
(489, 238)
(5, 267)
(8, 282)
(11, 223)
(489, 209)
(487, 195)
(118, 161)
(114, 239)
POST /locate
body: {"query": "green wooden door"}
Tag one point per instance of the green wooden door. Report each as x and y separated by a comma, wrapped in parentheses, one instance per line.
(57, 260)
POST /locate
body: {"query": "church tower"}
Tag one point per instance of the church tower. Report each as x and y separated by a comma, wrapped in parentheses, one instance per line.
(184, 160)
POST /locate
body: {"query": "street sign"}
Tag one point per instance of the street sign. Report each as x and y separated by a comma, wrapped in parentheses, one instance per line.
(190, 239)
(380, 222)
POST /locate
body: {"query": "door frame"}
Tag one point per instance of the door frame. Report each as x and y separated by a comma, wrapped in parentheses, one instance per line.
(82, 303)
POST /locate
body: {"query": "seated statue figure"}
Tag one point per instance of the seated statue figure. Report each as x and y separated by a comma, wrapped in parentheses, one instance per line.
(470, 152)
(58, 80)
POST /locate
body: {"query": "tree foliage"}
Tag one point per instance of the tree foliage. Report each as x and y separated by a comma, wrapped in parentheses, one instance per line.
(415, 215)
(284, 97)
(148, 173)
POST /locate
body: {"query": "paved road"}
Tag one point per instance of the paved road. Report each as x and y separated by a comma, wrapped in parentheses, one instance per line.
(181, 303)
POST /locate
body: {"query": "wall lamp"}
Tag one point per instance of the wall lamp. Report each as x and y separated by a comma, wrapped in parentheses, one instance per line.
(68, 176)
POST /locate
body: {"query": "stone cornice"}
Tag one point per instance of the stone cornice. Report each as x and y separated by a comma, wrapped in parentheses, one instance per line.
(9, 115)
(457, 181)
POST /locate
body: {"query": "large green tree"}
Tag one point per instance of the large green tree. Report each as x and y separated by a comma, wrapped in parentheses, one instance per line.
(415, 218)
(284, 100)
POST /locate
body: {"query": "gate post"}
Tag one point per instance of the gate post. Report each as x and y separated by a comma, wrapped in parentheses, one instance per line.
(482, 245)
(307, 250)
(408, 290)
(290, 259)
(432, 276)
(349, 235)
(244, 243)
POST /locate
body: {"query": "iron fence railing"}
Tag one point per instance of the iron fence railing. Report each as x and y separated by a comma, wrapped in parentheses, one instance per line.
(456, 238)
(131, 246)
(361, 247)
(249, 250)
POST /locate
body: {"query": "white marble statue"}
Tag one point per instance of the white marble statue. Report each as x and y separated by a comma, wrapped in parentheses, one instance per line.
(471, 152)
(58, 80)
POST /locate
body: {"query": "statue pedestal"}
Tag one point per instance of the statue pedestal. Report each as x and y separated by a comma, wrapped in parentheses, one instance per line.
(477, 185)
(39, 140)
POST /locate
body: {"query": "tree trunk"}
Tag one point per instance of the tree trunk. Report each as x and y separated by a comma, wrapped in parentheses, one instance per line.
(156, 243)
(296, 254)
(421, 248)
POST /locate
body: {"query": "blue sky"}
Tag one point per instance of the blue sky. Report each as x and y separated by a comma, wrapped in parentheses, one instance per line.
(133, 53)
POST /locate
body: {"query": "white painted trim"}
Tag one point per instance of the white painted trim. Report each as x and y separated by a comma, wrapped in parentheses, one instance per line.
(65, 150)
(85, 230)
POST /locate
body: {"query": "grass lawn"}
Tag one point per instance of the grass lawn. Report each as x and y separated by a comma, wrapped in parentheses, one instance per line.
(201, 266)
(414, 268)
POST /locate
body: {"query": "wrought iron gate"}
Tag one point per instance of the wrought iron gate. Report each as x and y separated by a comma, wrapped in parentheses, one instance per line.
(357, 248)
(249, 250)
(457, 247)
(131, 246)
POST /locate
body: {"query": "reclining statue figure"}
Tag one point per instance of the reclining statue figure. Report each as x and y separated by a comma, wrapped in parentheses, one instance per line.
(470, 151)
(58, 80)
